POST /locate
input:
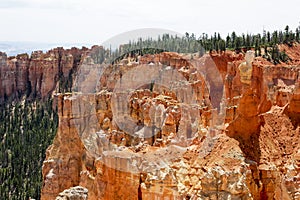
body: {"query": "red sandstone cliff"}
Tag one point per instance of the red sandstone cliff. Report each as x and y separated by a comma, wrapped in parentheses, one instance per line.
(36, 75)
(243, 144)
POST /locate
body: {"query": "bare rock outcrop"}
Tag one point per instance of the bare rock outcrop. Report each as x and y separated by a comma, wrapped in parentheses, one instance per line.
(74, 193)
(37, 76)
(141, 137)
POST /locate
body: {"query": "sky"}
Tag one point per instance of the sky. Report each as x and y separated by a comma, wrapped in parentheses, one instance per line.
(95, 21)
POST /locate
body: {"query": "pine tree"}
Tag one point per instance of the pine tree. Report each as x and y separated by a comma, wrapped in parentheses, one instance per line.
(248, 42)
(268, 37)
(286, 35)
(297, 35)
(228, 42)
(233, 38)
(274, 38)
(237, 43)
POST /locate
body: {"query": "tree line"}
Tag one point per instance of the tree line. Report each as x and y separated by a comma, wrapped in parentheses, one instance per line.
(265, 44)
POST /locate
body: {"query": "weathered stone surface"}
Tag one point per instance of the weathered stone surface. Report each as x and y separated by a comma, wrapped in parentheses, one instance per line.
(164, 143)
(36, 75)
(74, 193)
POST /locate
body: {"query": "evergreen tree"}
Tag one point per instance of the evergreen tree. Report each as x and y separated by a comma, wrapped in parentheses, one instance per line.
(286, 35)
(297, 35)
(268, 37)
(228, 42)
(248, 42)
(26, 130)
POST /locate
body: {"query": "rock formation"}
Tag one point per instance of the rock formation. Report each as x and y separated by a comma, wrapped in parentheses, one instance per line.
(74, 193)
(246, 68)
(37, 75)
(168, 127)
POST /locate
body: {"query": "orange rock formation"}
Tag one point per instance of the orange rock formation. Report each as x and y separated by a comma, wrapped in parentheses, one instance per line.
(204, 133)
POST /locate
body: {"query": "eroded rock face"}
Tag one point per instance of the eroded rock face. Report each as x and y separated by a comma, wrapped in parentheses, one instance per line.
(74, 193)
(245, 68)
(36, 75)
(153, 141)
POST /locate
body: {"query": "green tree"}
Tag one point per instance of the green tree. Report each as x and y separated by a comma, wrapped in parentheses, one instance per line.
(286, 35)
(297, 35)
(228, 42)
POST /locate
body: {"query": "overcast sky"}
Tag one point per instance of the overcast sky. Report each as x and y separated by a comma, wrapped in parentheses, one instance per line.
(95, 21)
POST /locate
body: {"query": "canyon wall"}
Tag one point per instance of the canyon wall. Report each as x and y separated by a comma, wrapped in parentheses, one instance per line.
(171, 126)
(37, 76)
